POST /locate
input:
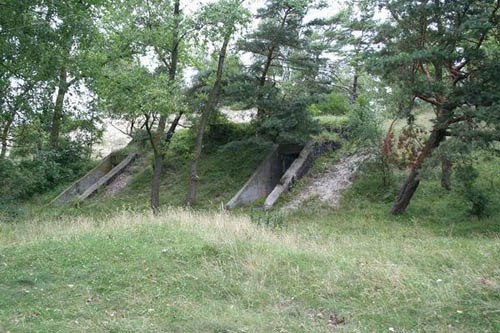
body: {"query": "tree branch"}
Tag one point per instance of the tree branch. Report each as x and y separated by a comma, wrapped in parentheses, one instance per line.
(428, 100)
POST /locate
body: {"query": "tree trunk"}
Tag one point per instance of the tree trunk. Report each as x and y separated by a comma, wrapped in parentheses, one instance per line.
(446, 167)
(155, 185)
(157, 143)
(413, 180)
(209, 106)
(5, 137)
(159, 156)
(354, 91)
(262, 82)
(58, 108)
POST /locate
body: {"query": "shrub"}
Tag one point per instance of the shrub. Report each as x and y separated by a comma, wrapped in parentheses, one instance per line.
(362, 126)
(42, 171)
(182, 142)
(476, 197)
(335, 104)
(288, 122)
(222, 132)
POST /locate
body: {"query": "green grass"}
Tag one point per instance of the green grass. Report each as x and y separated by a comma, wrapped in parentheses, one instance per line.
(222, 170)
(216, 272)
(107, 265)
(332, 121)
(434, 269)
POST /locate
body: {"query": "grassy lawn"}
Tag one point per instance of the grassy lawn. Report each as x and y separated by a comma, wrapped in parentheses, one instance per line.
(216, 272)
(434, 269)
(107, 265)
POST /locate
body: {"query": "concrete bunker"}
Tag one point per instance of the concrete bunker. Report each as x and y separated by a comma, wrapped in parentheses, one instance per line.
(110, 167)
(278, 172)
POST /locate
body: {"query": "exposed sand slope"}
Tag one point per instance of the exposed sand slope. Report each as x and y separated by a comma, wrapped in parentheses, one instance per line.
(329, 186)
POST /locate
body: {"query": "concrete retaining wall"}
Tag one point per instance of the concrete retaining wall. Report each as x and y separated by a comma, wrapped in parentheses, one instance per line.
(299, 168)
(109, 177)
(104, 173)
(261, 183)
(278, 172)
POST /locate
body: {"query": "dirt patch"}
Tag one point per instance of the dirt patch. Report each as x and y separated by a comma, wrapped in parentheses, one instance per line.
(239, 116)
(118, 184)
(329, 186)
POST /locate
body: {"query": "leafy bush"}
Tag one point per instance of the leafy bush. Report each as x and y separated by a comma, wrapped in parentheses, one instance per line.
(9, 211)
(362, 126)
(476, 197)
(183, 142)
(335, 104)
(288, 122)
(222, 132)
(41, 172)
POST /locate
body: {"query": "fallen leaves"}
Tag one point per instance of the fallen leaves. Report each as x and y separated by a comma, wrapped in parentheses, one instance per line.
(332, 319)
(335, 320)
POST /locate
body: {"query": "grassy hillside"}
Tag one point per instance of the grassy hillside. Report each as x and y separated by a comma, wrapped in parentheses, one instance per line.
(108, 265)
(217, 272)
(225, 166)
(434, 269)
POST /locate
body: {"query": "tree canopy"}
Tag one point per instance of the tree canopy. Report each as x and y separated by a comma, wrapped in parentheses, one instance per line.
(67, 66)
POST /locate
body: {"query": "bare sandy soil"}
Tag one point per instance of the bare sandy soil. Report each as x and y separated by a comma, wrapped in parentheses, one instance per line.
(329, 186)
(113, 138)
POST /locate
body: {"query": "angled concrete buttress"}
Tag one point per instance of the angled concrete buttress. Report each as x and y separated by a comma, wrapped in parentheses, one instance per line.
(299, 168)
(283, 166)
(111, 167)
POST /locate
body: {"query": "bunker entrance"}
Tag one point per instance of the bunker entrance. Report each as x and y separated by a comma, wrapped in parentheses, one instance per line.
(113, 165)
(267, 175)
(287, 155)
(278, 172)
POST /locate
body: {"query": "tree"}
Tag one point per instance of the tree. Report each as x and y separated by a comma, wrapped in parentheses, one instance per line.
(279, 32)
(160, 31)
(46, 50)
(20, 73)
(440, 52)
(222, 20)
(351, 34)
(68, 32)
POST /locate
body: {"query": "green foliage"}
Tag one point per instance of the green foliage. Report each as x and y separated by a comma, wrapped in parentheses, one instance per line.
(9, 212)
(183, 143)
(43, 171)
(221, 133)
(363, 126)
(40, 41)
(279, 27)
(476, 197)
(446, 55)
(288, 122)
(336, 104)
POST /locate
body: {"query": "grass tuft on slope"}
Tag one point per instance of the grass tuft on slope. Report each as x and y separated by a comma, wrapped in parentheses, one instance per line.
(187, 271)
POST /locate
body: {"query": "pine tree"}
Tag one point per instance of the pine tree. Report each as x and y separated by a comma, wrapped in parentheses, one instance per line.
(445, 53)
